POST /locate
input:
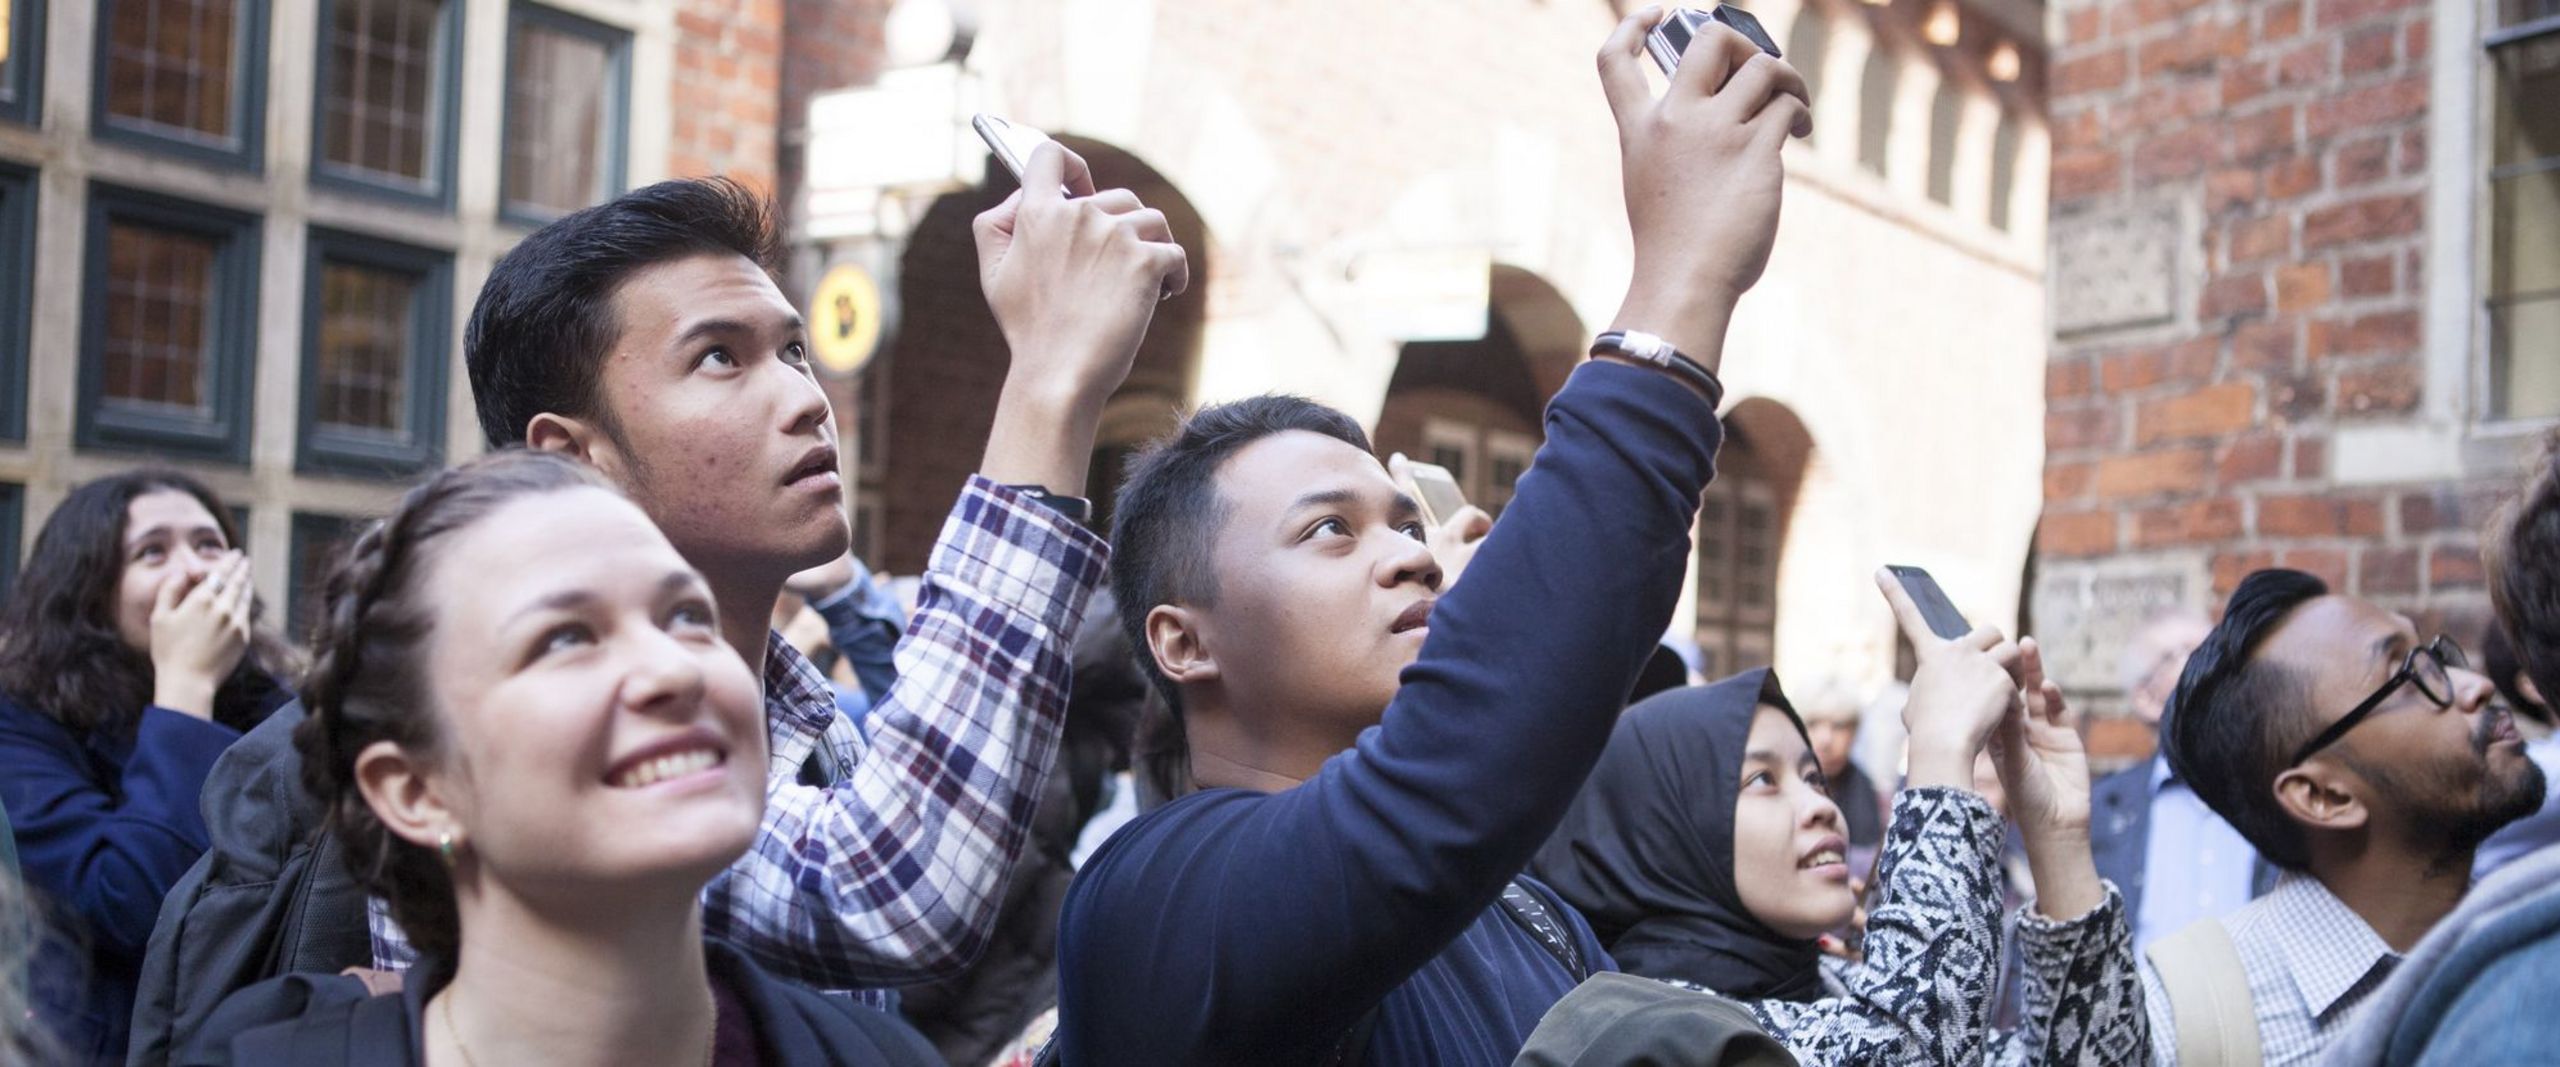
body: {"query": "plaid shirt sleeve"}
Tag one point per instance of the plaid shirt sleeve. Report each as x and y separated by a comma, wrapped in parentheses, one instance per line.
(895, 873)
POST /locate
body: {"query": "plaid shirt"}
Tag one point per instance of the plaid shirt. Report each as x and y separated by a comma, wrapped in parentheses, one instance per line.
(2312, 961)
(894, 872)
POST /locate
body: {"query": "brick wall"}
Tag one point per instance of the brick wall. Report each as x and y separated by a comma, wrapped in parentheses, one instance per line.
(2273, 153)
(727, 86)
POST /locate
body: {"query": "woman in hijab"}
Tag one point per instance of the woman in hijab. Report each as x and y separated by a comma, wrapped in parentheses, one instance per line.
(1706, 852)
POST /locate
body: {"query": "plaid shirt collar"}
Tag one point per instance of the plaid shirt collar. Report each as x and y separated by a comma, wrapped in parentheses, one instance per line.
(2328, 949)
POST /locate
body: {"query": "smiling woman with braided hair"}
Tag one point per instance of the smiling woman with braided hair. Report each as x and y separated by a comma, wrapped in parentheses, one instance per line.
(537, 749)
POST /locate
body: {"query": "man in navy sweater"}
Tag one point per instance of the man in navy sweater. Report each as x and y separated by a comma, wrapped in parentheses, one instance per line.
(1377, 763)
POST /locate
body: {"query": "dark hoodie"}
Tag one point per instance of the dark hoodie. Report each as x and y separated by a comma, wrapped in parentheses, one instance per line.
(271, 896)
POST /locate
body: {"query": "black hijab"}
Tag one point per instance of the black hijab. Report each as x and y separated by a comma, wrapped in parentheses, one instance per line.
(1646, 851)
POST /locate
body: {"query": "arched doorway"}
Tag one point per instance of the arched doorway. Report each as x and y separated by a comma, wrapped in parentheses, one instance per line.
(1476, 406)
(928, 402)
(1742, 533)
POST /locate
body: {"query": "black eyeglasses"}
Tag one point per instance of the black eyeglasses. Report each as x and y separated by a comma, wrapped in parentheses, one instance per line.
(2428, 667)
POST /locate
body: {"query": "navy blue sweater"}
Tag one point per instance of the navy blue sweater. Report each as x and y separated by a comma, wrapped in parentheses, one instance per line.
(103, 829)
(1234, 927)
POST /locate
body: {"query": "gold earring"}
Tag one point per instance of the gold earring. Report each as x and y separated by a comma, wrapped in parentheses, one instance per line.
(444, 845)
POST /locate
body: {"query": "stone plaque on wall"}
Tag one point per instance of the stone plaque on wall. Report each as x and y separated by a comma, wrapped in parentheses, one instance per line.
(2086, 613)
(2115, 269)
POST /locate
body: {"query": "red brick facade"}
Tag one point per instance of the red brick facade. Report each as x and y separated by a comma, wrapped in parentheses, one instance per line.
(2287, 142)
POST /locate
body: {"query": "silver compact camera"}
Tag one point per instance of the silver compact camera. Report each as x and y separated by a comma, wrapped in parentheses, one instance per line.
(1683, 24)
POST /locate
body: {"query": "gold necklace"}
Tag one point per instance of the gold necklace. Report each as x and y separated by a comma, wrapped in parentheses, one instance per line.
(710, 1045)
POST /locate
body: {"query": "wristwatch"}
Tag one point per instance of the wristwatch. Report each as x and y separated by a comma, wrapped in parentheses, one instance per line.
(1647, 348)
(1073, 507)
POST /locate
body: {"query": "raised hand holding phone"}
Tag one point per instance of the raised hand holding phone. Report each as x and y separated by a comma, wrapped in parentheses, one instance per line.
(2045, 769)
(1962, 691)
(1453, 527)
(1702, 176)
(1073, 276)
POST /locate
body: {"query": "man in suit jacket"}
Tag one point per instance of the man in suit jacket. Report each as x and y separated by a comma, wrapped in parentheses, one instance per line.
(2174, 860)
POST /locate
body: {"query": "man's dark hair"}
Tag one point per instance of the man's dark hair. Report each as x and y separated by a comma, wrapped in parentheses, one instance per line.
(1168, 512)
(2522, 557)
(2234, 722)
(544, 322)
(2498, 660)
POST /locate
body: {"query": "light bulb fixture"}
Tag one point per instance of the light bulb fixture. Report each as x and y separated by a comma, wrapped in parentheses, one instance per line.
(2003, 64)
(1943, 26)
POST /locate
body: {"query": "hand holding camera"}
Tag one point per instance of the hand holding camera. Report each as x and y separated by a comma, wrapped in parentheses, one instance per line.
(1702, 175)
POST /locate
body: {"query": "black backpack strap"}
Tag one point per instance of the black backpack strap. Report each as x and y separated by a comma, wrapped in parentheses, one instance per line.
(1538, 914)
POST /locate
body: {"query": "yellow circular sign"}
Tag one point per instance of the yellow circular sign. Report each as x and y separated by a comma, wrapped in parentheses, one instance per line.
(844, 319)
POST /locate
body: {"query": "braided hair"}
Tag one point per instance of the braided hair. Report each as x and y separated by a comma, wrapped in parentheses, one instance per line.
(368, 681)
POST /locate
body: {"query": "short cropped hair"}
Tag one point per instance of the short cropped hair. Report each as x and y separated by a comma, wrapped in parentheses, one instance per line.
(2235, 722)
(544, 322)
(1168, 512)
(2521, 554)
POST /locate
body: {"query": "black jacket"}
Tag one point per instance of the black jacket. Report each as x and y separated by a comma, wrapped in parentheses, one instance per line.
(271, 896)
(324, 1020)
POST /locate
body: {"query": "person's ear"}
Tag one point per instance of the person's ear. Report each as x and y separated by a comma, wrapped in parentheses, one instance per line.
(2322, 797)
(395, 785)
(577, 439)
(1180, 649)
(2526, 689)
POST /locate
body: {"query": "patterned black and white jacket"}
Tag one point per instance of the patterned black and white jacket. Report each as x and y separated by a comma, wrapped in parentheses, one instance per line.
(1923, 995)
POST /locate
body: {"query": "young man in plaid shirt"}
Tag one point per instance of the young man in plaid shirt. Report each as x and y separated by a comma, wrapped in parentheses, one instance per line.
(646, 336)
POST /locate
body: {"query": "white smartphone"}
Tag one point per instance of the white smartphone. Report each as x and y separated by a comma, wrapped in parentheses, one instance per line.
(1441, 497)
(1011, 143)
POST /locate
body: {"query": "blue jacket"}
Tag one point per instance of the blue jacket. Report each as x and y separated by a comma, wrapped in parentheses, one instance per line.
(2478, 989)
(103, 828)
(1234, 927)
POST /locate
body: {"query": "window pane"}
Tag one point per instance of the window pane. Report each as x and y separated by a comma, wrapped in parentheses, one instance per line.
(1806, 43)
(1875, 108)
(368, 318)
(557, 101)
(2519, 12)
(169, 64)
(159, 318)
(1944, 114)
(2528, 101)
(8, 52)
(382, 73)
(2004, 169)
(2524, 358)
(2524, 234)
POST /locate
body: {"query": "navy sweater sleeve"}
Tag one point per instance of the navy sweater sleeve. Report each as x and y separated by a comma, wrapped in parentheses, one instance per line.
(108, 850)
(1238, 927)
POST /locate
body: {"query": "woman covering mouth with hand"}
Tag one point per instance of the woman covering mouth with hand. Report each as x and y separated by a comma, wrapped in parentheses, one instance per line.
(1706, 851)
(537, 749)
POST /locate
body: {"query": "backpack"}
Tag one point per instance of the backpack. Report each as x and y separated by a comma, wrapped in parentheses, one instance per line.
(272, 896)
(2209, 997)
(1534, 909)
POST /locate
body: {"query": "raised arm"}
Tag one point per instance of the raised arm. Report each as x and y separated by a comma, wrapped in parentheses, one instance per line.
(1302, 909)
(896, 873)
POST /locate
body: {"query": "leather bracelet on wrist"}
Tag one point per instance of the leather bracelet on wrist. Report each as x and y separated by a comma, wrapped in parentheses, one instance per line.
(1649, 349)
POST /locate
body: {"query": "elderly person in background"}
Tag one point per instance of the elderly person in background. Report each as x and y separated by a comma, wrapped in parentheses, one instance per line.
(2146, 819)
(1831, 723)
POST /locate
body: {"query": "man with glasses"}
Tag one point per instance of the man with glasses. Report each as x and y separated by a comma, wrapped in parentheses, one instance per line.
(2366, 762)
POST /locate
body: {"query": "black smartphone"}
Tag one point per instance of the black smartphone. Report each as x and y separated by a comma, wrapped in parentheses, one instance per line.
(1671, 38)
(1939, 612)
